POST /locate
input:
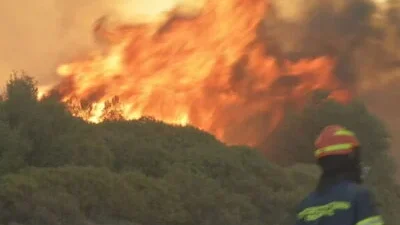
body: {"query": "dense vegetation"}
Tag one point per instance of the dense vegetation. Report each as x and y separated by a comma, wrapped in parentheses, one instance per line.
(59, 169)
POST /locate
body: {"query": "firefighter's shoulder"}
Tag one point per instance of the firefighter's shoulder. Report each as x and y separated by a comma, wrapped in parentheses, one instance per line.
(358, 191)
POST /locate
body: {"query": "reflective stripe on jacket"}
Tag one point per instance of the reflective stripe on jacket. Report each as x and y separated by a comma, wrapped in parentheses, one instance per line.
(345, 203)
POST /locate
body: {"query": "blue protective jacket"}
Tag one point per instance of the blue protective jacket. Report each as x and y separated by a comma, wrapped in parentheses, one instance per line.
(345, 203)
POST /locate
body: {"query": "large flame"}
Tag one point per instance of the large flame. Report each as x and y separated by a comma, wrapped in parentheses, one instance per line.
(211, 70)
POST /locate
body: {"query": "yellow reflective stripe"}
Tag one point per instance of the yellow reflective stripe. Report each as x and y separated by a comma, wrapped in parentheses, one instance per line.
(374, 220)
(315, 212)
(344, 133)
(332, 148)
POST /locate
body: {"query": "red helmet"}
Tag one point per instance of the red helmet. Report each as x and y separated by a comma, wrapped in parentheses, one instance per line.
(335, 140)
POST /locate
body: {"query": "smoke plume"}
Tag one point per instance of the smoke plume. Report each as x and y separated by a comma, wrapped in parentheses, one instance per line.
(357, 33)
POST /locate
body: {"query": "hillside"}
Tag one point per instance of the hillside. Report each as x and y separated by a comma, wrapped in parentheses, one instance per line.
(59, 169)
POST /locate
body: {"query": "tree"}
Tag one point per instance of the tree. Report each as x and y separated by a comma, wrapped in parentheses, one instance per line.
(14, 150)
(294, 140)
(112, 110)
(58, 169)
(21, 98)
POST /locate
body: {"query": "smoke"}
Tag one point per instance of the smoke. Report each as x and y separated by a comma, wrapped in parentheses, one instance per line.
(36, 36)
(357, 33)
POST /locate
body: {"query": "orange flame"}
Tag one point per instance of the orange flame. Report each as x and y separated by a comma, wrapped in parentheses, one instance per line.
(211, 71)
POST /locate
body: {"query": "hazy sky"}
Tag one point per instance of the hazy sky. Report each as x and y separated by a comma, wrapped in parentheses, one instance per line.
(38, 35)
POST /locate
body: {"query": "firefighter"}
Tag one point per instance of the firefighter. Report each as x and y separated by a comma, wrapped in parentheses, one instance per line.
(339, 198)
